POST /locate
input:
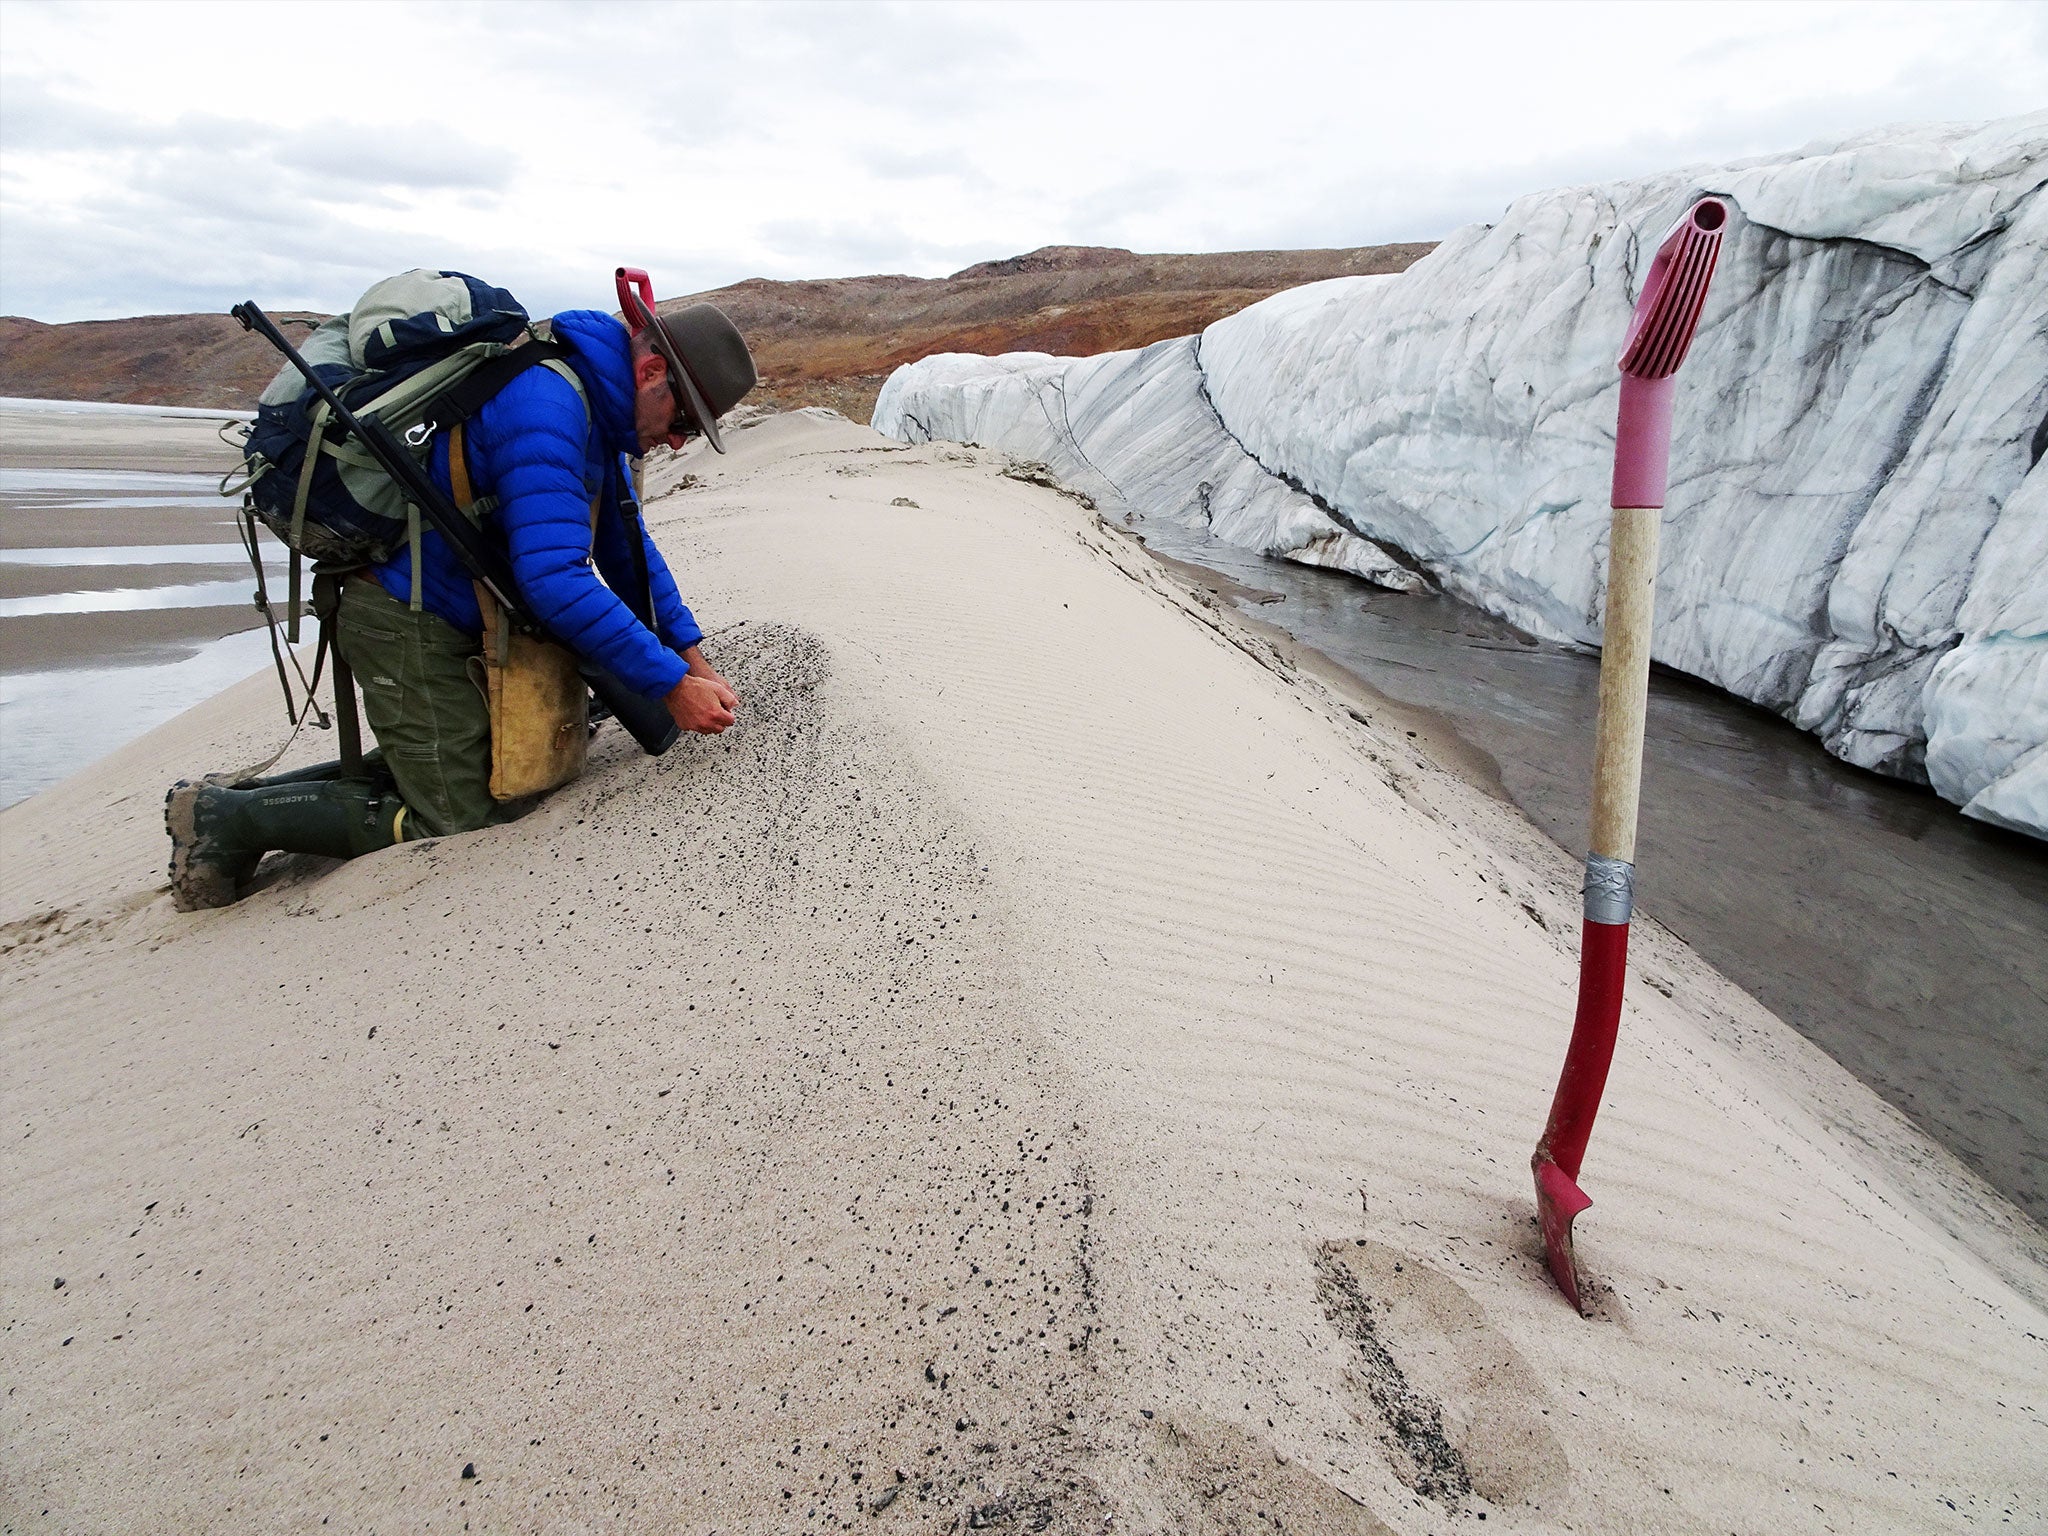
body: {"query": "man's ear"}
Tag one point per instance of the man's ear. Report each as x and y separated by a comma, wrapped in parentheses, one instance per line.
(649, 368)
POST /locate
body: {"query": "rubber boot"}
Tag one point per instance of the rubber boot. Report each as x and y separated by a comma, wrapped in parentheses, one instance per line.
(219, 835)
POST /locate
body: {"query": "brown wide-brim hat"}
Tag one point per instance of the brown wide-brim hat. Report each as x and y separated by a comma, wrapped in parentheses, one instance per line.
(709, 367)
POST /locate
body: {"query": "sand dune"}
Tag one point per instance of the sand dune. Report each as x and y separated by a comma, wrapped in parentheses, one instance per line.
(1057, 1065)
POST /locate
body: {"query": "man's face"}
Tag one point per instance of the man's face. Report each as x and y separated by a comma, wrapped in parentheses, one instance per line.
(657, 418)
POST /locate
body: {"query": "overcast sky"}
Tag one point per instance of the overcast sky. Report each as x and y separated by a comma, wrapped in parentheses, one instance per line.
(170, 157)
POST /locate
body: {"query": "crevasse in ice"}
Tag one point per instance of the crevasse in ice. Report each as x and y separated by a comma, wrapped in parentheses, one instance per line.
(1857, 529)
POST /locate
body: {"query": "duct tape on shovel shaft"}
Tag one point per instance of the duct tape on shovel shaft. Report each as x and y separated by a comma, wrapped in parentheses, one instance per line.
(1610, 889)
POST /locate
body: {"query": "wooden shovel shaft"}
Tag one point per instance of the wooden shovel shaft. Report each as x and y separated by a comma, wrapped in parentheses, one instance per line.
(1624, 680)
(1617, 785)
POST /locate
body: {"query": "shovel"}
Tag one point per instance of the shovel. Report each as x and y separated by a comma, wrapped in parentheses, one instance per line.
(1658, 336)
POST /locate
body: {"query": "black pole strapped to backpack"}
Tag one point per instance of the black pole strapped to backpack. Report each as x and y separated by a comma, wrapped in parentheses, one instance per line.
(647, 720)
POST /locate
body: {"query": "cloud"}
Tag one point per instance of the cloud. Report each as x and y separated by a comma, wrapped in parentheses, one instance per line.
(1139, 200)
(893, 163)
(418, 157)
(715, 142)
(32, 117)
(329, 155)
(202, 207)
(846, 248)
(1384, 203)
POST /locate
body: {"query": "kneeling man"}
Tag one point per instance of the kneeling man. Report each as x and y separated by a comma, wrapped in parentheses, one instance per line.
(553, 453)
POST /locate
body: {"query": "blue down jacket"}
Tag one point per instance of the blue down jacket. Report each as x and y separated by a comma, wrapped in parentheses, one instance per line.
(537, 449)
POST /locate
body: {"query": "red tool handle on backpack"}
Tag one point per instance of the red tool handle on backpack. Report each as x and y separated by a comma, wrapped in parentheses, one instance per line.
(638, 308)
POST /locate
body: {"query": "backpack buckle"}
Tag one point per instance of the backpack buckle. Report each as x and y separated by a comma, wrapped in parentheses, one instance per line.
(416, 436)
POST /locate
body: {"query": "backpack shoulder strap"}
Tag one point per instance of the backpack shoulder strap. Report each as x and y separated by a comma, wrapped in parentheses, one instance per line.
(482, 383)
(545, 354)
(561, 366)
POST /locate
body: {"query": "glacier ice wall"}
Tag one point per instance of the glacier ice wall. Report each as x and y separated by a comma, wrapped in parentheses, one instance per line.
(1857, 528)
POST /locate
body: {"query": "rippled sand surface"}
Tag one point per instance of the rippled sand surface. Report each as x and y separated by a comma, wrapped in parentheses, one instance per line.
(1052, 1066)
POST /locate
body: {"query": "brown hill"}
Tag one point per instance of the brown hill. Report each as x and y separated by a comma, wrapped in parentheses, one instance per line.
(833, 342)
(203, 360)
(824, 342)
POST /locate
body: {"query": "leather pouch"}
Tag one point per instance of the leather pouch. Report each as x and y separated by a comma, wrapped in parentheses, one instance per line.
(540, 710)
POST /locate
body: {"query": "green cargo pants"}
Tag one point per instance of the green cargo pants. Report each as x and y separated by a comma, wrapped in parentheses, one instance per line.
(423, 698)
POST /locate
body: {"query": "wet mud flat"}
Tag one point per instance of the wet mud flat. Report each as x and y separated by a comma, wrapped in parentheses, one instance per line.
(90, 435)
(125, 593)
(1904, 939)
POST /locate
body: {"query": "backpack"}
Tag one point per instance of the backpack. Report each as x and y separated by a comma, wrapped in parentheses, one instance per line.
(418, 352)
(421, 353)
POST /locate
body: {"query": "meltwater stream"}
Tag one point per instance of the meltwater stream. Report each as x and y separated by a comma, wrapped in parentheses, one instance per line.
(1907, 941)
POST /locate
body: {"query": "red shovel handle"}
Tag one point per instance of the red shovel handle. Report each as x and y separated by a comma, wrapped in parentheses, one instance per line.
(638, 308)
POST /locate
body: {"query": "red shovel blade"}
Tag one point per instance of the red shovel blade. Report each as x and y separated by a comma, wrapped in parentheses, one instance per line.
(1603, 966)
(1558, 1200)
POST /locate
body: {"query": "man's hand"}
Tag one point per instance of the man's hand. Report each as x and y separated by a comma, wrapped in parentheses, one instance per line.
(698, 704)
(726, 695)
(699, 667)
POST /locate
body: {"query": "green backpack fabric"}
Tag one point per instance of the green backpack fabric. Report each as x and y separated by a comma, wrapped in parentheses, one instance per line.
(418, 352)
